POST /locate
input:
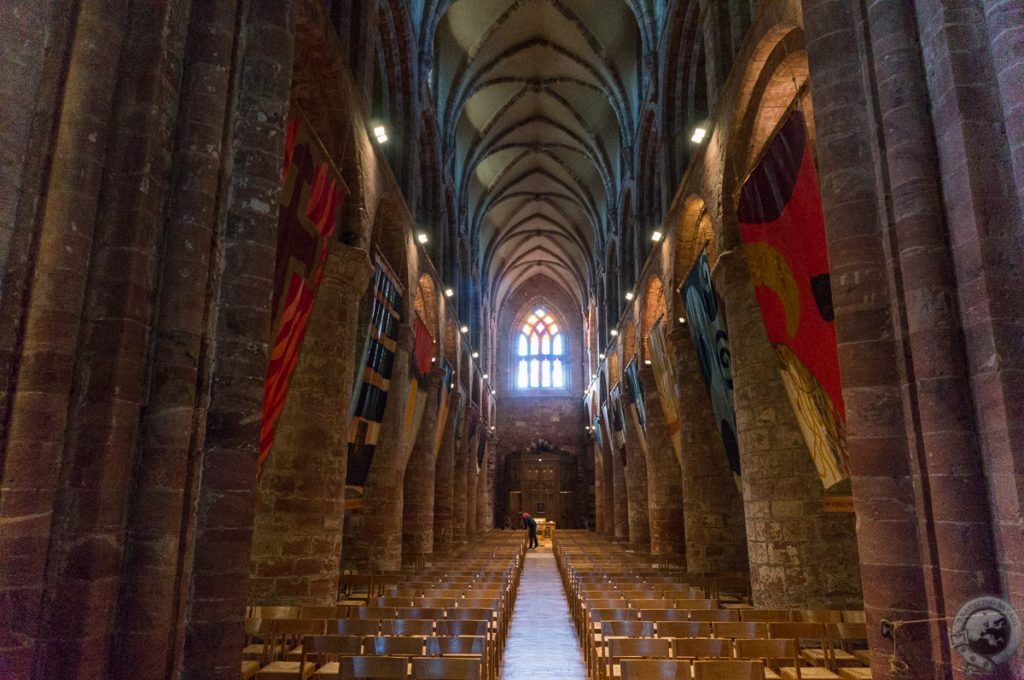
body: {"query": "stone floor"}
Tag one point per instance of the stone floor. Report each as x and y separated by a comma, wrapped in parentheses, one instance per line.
(542, 643)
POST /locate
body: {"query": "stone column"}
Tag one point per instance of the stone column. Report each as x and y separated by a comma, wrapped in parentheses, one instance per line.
(664, 479)
(472, 477)
(297, 536)
(620, 504)
(636, 481)
(168, 453)
(39, 406)
(870, 355)
(444, 478)
(599, 524)
(485, 484)
(715, 527)
(373, 531)
(418, 493)
(789, 537)
(459, 494)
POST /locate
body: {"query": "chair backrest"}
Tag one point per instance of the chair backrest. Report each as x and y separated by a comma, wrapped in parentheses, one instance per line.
(597, 615)
(331, 647)
(683, 629)
(463, 645)
(701, 648)
(449, 627)
(714, 615)
(373, 667)
(438, 602)
(644, 648)
(393, 602)
(799, 631)
(775, 652)
(651, 603)
(394, 645)
(432, 613)
(748, 630)
(375, 613)
(655, 669)
(362, 627)
(818, 615)
(446, 668)
(328, 612)
(633, 629)
(691, 603)
(728, 670)
(854, 616)
(273, 612)
(766, 615)
(471, 613)
(422, 627)
(848, 632)
(664, 614)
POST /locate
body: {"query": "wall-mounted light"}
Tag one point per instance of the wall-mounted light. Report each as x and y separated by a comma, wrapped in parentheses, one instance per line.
(647, 362)
(698, 135)
(476, 355)
(601, 357)
(422, 237)
(593, 377)
(494, 393)
(464, 329)
(682, 320)
(656, 236)
(448, 292)
(433, 360)
(380, 133)
(613, 332)
(629, 295)
(485, 376)
(452, 386)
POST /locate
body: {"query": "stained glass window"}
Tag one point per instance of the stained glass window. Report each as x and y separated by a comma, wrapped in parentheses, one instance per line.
(540, 353)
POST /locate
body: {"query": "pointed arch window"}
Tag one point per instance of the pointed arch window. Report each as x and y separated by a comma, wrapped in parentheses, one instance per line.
(540, 353)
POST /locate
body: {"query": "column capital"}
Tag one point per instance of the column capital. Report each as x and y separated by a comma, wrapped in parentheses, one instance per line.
(349, 268)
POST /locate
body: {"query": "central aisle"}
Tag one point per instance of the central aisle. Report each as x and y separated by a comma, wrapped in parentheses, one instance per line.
(542, 644)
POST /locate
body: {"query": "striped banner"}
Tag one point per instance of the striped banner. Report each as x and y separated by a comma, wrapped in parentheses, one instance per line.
(422, 353)
(378, 363)
(308, 216)
(665, 377)
(636, 404)
(618, 416)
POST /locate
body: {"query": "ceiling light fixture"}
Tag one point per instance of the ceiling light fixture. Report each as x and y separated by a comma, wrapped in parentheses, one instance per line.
(629, 296)
(464, 329)
(613, 332)
(485, 376)
(698, 135)
(682, 320)
(380, 133)
(448, 292)
(422, 237)
(601, 357)
(656, 236)
(476, 355)
(494, 394)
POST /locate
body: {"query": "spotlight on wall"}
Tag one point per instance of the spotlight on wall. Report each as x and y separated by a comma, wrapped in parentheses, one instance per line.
(629, 295)
(682, 320)
(433, 360)
(647, 362)
(601, 357)
(494, 393)
(464, 329)
(380, 133)
(448, 292)
(485, 376)
(422, 237)
(476, 355)
(656, 236)
(613, 332)
(698, 135)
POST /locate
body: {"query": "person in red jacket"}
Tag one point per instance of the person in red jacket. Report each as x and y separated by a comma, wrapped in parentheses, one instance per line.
(531, 527)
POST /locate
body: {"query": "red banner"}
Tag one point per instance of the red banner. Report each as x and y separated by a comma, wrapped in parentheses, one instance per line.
(307, 218)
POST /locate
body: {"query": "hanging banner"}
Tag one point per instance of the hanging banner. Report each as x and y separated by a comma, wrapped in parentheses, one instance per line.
(308, 216)
(635, 403)
(420, 364)
(444, 392)
(783, 231)
(665, 378)
(618, 416)
(378, 363)
(705, 316)
(606, 423)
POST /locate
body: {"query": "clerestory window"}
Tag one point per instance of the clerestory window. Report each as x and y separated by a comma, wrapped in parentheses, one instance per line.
(540, 353)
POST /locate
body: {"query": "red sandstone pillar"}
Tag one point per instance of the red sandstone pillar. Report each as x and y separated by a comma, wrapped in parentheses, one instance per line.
(620, 504)
(150, 607)
(297, 536)
(599, 526)
(607, 484)
(485, 483)
(444, 478)
(459, 485)
(472, 477)
(636, 482)
(373, 531)
(419, 486)
(715, 527)
(664, 480)
(789, 536)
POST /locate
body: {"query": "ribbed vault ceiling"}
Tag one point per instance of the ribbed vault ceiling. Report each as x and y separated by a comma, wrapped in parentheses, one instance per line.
(536, 99)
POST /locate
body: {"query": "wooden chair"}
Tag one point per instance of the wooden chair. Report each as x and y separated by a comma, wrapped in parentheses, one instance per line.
(849, 644)
(327, 650)
(701, 648)
(631, 629)
(857, 673)
(422, 627)
(635, 648)
(818, 615)
(249, 669)
(682, 629)
(471, 646)
(394, 645)
(457, 627)
(775, 653)
(808, 636)
(691, 603)
(361, 627)
(446, 668)
(651, 603)
(255, 648)
(737, 630)
(355, 587)
(728, 670)
(337, 611)
(285, 635)
(663, 614)
(655, 669)
(710, 615)
(373, 668)
(432, 613)
(373, 613)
